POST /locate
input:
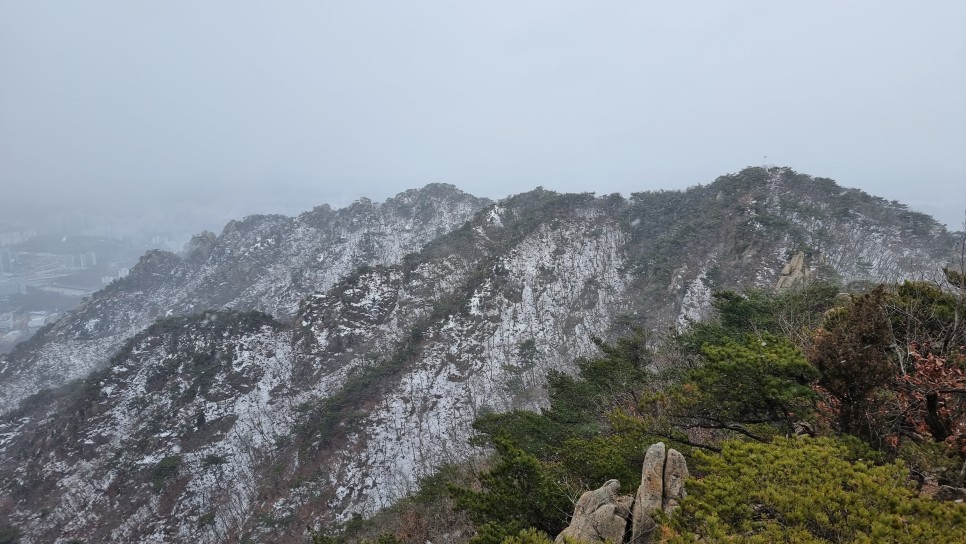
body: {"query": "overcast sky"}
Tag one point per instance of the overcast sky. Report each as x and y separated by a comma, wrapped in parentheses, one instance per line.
(266, 106)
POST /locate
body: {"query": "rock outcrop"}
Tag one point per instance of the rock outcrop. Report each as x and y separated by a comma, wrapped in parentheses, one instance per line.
(662, 488)
(601, 516)
(794, 272)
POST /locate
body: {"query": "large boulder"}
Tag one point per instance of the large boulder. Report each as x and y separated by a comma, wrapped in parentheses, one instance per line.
(600, 516)
(675, 473)
(662, 487)
(650, 494)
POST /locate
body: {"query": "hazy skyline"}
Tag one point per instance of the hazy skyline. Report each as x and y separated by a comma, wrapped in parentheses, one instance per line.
(280, 106)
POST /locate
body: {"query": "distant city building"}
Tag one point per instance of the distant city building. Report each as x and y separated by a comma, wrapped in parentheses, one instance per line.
(69, 290)
(83, 260)
(16, 237)
(37, 322)
(12, 286)
(6, 261)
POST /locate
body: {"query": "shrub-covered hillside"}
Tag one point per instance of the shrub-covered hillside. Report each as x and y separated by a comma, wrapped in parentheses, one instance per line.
(807, 415)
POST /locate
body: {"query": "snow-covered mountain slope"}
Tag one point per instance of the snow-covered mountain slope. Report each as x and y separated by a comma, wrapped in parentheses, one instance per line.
(227, 425)
(375, 382)
(266, 263)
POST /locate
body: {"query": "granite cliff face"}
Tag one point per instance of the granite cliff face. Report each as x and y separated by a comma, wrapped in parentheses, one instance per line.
(266, 263)
(382, 348)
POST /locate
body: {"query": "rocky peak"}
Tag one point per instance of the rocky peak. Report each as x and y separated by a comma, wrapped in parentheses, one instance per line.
(262, 262)
(199, 248)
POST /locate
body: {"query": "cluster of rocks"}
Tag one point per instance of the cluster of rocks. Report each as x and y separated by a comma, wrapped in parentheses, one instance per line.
(603, 516)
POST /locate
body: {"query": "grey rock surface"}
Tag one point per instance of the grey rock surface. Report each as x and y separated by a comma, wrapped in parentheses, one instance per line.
(598, 517)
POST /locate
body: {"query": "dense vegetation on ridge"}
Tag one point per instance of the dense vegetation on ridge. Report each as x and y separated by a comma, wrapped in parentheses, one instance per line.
(808, 415)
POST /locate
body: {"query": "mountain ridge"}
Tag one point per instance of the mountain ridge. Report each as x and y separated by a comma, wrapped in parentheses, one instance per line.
(264, 262)
(375, 380)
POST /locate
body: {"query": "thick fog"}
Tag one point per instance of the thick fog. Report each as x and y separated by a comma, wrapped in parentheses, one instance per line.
(235, 107)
